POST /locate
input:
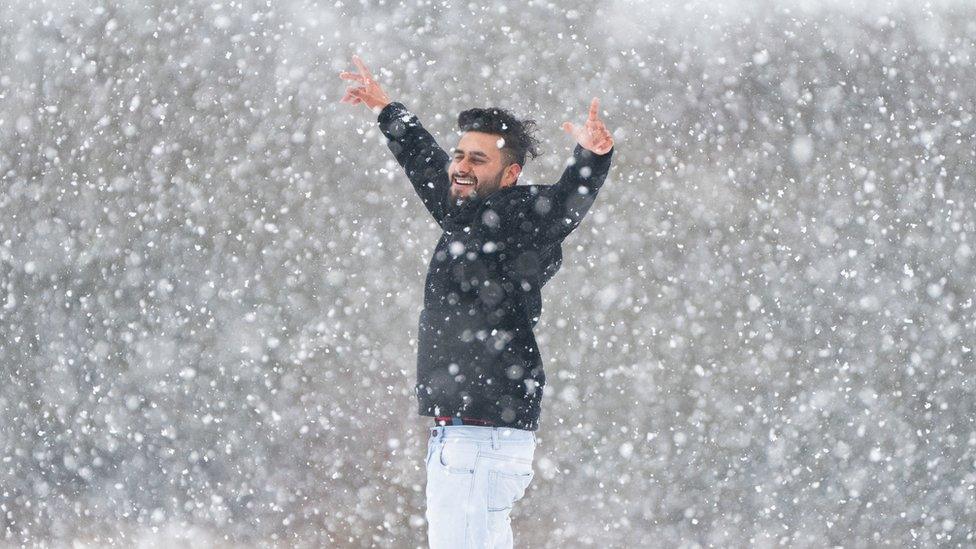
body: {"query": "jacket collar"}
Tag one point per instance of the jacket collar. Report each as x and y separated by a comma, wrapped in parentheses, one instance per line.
(458, 217)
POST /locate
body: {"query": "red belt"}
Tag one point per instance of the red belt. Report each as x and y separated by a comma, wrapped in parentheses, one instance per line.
(453, 420)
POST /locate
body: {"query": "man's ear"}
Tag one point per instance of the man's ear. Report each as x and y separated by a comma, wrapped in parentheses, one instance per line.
(511, 175)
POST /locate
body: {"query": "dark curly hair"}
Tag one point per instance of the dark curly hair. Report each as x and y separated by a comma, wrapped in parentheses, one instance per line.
(517, 134)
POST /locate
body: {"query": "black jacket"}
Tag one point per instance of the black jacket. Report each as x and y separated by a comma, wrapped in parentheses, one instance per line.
(477, 355)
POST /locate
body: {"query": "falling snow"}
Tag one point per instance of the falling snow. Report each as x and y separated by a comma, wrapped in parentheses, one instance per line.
(210, 271)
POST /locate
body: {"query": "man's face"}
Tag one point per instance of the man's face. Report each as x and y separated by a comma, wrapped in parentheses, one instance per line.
(477, 167)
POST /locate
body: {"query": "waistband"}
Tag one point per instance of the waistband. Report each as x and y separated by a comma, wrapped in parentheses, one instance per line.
(482, 433)
(454, 420)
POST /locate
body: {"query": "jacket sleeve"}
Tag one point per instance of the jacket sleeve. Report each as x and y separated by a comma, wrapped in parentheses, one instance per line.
(418, 153)
(556, 210)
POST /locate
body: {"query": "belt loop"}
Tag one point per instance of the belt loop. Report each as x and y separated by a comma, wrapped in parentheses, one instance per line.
(494, 438)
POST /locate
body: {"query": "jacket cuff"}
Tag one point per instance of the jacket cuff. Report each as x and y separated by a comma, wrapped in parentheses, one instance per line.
(598, 162)
(391, 111)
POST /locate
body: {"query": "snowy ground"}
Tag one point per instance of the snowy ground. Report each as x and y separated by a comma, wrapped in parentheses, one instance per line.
(211, 271)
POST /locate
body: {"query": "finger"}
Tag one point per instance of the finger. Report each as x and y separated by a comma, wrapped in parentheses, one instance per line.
(346, 75)
(352, 96)
(362, 67)
(594, 109)
(569, 128)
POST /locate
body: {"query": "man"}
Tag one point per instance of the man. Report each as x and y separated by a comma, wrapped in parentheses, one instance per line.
(479, 372)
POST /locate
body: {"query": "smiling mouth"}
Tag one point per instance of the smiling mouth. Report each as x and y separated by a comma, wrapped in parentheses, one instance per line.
(464, 181)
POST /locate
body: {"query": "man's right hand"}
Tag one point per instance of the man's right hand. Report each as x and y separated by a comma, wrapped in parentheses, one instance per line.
(370, 93)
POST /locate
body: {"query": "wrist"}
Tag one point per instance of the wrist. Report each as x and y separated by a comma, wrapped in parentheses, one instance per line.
(596, 152)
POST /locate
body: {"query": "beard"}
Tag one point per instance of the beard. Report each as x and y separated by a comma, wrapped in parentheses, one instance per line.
(480, 190)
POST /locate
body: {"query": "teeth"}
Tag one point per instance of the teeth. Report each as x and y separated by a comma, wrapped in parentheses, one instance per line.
(463, 181)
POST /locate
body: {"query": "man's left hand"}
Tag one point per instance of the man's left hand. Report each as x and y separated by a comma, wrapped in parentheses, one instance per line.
(592, 135)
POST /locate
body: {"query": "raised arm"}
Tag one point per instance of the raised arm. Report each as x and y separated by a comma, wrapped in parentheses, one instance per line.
(413, 147)
(558, 209)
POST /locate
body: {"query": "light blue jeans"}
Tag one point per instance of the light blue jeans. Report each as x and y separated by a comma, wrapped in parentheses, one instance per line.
(474, 476)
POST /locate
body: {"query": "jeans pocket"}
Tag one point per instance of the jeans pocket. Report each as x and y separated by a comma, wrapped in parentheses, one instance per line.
(505, 488)
(456, 458)
(431, 445)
